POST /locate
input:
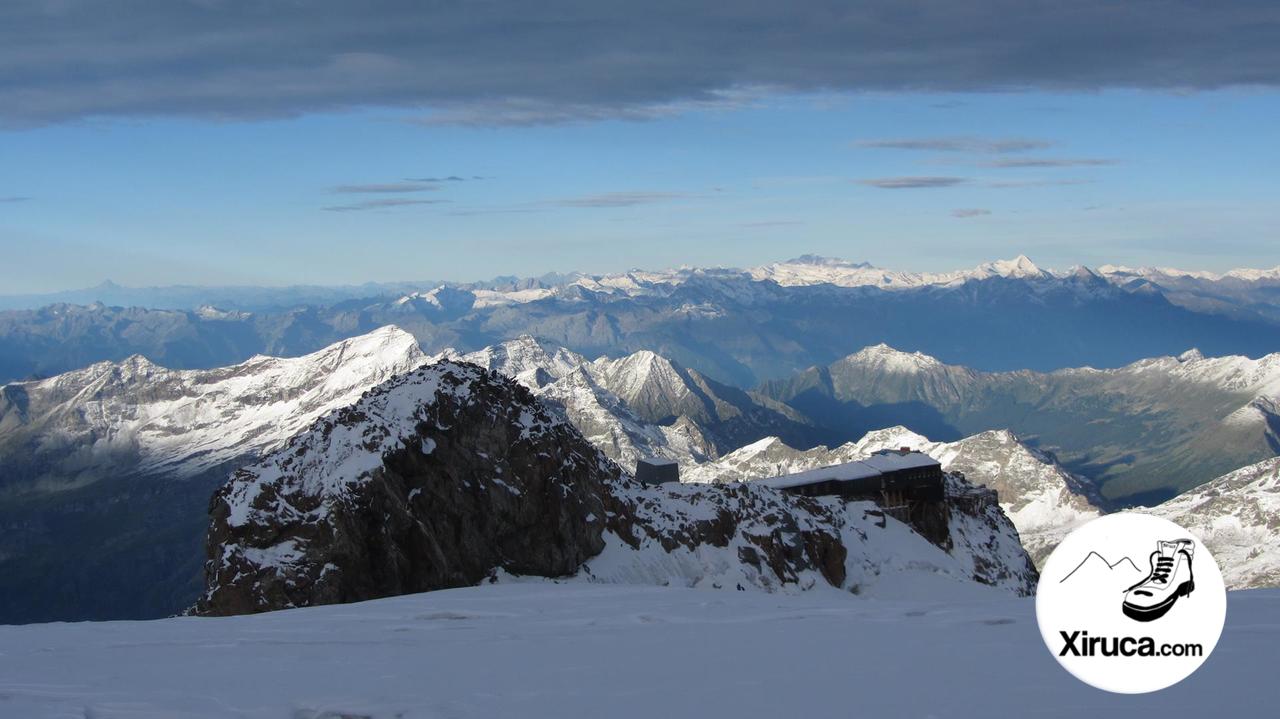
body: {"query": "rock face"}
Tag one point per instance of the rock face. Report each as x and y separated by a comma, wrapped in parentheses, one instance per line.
(433, 479)
(452, 474)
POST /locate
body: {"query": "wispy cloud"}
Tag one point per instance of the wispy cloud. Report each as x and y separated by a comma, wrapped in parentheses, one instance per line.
(13, 199)
(620, 199)
(1050, 162)
(957, 144)
(529, 112)
(381, 204)
(495, 211)
(386, 188)
(911, 182)
(764, 224)
(437, 180)
(964, 212)
(1013, 184)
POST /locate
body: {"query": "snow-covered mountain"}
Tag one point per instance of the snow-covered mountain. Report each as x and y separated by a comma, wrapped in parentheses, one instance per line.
(107, 471)
(1162, 424)
(641, 404)
(814, 270)
(1043, 500)
(570, 382)
(115, 419)
(444, 475)
(1237, 516)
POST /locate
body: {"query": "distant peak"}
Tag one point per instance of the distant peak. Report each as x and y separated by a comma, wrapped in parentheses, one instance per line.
(893, 358)
(376, 342)
(1020, 266)
(1190, 355)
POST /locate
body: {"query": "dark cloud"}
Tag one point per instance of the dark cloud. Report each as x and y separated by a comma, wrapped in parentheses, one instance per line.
(13, 199)
(1050, 162)
(509, 62)
(620, 199)
(964, 212)
(957, 144)
(381, 204)
(911, 183)
(386, 188)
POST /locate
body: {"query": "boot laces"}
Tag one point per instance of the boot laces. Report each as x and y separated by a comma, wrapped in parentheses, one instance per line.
(1164, 566)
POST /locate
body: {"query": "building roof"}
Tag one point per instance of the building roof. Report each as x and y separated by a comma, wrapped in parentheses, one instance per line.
(657, 461)
(872, 466)
(893, 461)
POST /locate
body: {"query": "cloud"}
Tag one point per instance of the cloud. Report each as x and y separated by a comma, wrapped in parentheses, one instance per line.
(1013, 184)
(495, 211)
(13, 199)
(381, 204)
(386, 188)
(620, 199)
(964, 212)
(1050, 162)
(437, 180)
(911, 183)
(957, 144)
(508, 62)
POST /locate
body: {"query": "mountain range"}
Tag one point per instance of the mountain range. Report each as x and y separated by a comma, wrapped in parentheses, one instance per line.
(738, 327)
(109, 468)
(1142, 432)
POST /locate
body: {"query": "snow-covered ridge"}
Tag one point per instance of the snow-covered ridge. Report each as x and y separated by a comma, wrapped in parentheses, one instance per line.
(183, 422)
(1236, 374)
(1237, 516)
(811, 270)
(1122, 273)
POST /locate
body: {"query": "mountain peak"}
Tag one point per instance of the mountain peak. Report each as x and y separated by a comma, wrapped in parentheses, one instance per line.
(889, 359)
(1020, 266)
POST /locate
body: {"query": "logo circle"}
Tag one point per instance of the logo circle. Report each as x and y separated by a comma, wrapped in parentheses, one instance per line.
(1131, 603)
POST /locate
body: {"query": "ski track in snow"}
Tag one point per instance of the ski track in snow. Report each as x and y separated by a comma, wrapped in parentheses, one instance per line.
(542, 649)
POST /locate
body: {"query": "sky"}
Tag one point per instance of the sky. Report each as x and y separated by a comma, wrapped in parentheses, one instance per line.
(270, 143)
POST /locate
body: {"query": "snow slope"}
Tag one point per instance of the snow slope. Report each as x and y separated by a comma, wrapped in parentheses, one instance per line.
(554, 650)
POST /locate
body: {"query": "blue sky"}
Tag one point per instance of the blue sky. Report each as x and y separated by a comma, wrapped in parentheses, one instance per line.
(147, 196)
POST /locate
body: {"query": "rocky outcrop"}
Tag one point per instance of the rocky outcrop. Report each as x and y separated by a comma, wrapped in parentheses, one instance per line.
(433, 479)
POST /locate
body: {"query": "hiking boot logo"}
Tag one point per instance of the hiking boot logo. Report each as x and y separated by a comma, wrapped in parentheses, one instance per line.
(1122, 617)
(1170, 577)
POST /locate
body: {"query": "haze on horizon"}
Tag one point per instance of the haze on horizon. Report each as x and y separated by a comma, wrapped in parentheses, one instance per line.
(330, 144)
